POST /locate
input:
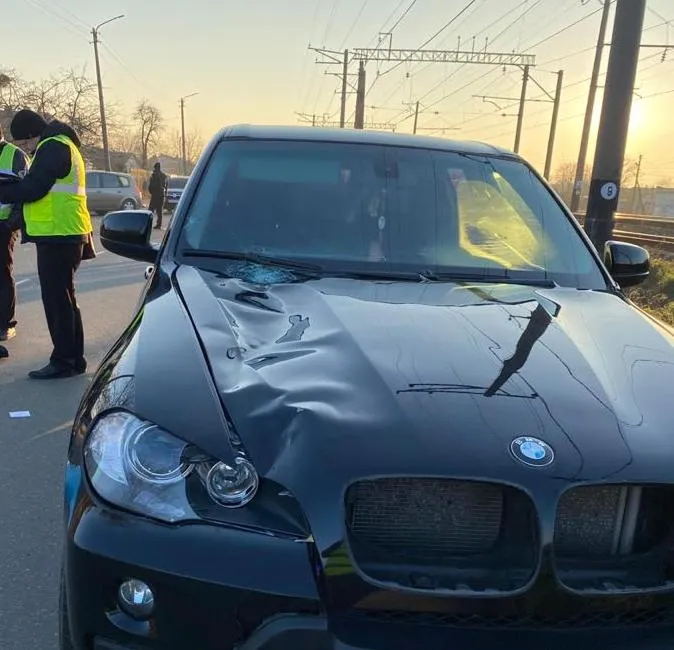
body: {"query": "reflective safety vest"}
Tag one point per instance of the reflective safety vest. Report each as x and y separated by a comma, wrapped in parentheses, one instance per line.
(7, 165)
(63, 212)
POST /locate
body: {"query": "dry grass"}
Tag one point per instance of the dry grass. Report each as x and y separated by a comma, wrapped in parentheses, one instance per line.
(656, 295)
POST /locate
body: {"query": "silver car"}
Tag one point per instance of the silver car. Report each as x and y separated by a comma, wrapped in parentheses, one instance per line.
(108, 191)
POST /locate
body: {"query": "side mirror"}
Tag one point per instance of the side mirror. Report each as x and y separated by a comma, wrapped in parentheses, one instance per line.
(127, 233)
(628, 264)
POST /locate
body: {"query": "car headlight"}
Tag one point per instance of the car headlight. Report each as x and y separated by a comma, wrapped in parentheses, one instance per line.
(141, 467)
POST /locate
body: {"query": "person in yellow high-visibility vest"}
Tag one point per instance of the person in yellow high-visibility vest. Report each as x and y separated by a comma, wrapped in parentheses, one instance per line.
(57, 220)
(15, 161)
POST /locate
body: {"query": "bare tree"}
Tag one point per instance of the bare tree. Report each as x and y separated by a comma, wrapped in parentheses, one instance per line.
(124, 139)
(10, 90)
(68, 95)
(564, 176)
(194, 144)
(150, 126)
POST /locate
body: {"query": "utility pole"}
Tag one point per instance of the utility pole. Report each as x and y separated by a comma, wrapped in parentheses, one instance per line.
(416, 117)
(360, 98)
(553, 124)
(520, 115)
(345, 74)
(182, 128)
(614, 124)
(589, 110)
(364, 55)
(99, 81)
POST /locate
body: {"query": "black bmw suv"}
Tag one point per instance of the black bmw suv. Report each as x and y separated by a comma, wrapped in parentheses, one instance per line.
(380, 393)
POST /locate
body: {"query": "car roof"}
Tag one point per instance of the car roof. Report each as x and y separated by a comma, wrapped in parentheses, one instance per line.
(354, 136)
(105, 171)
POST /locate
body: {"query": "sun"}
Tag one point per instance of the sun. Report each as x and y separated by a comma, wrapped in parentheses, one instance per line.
(637, 116)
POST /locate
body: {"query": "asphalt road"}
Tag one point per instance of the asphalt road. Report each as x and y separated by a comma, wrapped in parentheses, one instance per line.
(33, 449)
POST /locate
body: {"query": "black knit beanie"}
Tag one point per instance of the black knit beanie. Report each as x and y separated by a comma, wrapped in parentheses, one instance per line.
(27, 124)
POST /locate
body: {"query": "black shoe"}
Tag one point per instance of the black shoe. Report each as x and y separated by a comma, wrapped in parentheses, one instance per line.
(55, 371)
(81, 366)
(3, 352)
(8, 333)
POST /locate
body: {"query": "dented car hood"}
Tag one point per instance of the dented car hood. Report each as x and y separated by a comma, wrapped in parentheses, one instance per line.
(332, 380)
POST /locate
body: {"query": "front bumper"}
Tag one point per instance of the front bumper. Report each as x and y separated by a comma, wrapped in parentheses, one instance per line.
(224, 589)
(171, 203)
(213, 586)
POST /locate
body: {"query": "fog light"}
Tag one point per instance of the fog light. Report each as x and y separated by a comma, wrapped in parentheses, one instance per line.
(136, 599)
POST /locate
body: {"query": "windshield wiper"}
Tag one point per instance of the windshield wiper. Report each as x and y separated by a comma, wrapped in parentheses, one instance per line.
(462, 276)
(256, 258)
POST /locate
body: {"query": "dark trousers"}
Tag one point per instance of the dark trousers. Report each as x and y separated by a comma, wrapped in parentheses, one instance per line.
(7, 286)
(56, 266)
(157, 206)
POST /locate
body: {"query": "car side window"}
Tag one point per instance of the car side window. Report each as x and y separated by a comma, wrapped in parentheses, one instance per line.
(110, 181)
(124, 181)
(93, 180)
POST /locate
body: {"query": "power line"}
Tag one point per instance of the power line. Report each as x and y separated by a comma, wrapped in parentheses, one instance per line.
(403, 15)
(567, 101)
(353, 25)
(331, 18)
(499, 35)
(306, 58)
(72, 26)
(432, 38)
(564, 29)
(570, 26)
(141, 84)
(67, 11)
(390, 32)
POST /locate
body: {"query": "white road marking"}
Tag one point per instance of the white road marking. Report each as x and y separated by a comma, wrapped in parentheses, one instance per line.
(23, 281)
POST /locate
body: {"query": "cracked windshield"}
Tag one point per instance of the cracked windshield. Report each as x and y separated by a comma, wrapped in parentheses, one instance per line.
(337, 325)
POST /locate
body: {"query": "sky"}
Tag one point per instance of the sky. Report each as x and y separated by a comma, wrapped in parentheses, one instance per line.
(250, 62)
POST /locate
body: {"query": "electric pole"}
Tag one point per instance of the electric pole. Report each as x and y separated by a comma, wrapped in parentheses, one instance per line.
(182, 128)
(416, 117)
(360, 98)
(589, 110)
(520, 115)
(364, 55)
(99, 81)
(553, 124)
(345, 74)
(615, 118)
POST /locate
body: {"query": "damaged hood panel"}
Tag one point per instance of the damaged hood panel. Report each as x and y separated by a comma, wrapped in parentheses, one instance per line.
(333, 380)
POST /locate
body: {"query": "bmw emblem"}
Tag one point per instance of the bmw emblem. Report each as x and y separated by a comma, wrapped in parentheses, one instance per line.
(532, 451)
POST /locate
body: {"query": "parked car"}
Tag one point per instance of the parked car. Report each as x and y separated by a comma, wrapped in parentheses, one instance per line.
(176, 186)
(108, 191)
(402, 404)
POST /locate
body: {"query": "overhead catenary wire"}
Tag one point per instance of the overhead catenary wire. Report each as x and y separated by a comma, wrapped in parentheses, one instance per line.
(432, 38)
(529, 8)
(353, 24)
(542, 41)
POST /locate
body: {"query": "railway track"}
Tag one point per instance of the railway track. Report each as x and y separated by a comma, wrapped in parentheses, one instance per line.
(628, 230)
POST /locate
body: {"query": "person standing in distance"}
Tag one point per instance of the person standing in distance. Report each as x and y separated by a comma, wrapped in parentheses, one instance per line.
(57, 220)
(15, 161)
(157, 186)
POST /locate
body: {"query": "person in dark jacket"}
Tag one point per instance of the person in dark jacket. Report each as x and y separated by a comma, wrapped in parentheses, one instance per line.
(157, 186)
(56, 219)
(15, 161)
